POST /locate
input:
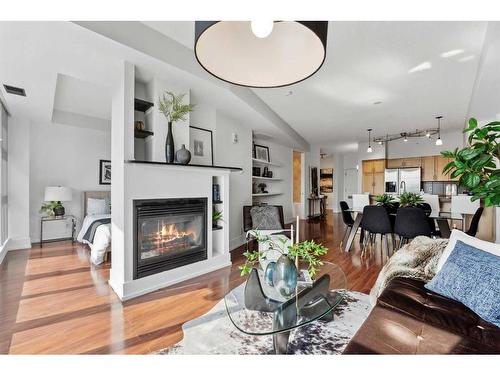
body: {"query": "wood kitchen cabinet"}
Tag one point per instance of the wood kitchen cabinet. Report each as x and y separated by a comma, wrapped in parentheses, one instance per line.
(404, 162)
(373, 176)
(432, 168)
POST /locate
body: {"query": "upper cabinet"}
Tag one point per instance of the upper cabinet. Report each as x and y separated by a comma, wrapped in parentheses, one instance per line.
(432, 168)
(373, 176)
(404, 163)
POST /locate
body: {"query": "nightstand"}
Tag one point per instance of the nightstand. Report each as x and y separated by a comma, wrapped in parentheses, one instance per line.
(44, 219)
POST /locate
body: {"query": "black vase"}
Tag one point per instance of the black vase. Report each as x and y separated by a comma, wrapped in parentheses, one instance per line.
(59, 211)
(169, 145)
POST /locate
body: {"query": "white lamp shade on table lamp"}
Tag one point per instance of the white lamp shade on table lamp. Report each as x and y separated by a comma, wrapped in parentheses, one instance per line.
(58, 193)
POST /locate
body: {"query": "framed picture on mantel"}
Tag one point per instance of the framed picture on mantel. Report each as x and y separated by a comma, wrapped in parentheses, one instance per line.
(201, 145)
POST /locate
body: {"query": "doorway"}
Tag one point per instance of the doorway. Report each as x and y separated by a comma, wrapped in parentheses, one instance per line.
(297, 183)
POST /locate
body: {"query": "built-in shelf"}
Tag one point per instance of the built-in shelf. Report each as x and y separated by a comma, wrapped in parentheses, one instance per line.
(264, 194)
(217, 202)
(217, 228)
(142, 133)
(265, 162)
(266, 178)
(184, 165)
(142, 105)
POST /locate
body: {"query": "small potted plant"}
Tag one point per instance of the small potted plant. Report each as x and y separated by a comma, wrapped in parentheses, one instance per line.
(387, 201)
(283, 273)
(174, 110)
(216, 217)
(53, 208)
(410, 199)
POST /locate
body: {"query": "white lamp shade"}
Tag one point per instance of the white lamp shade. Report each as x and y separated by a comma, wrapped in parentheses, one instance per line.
(58, 193)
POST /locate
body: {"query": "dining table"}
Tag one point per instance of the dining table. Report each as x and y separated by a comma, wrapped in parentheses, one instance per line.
(441, 217)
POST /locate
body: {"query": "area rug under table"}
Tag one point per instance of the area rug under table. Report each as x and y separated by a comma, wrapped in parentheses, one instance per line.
(213, 333)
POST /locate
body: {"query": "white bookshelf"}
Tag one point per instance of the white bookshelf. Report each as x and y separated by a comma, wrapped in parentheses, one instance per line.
(273, 183)
(258, 161)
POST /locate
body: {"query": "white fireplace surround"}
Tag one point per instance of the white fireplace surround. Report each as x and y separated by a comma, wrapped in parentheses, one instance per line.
(133, 180)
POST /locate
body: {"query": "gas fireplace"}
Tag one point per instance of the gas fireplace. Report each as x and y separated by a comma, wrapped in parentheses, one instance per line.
(168, 233)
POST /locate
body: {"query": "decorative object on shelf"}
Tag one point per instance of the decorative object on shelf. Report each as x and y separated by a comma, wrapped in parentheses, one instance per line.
(265, 172)
(216, 217)
(476, 163)
(269, 174)
(216, 193)
(262, 188)
(201, 145)
(385, 200)
(174, 110)
(326, 180)
(258, 53)
(410, 199)
(261, 153)
(139, 125)
(104, 172)
(183, 156)
(53, 197)
(256, 171)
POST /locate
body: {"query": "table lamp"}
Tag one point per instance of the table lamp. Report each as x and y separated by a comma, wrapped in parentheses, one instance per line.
(58, 194)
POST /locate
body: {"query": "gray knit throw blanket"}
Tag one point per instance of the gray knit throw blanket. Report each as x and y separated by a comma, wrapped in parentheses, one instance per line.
(416, 260)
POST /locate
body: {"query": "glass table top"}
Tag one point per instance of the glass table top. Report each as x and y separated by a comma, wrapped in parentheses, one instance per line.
(256, 308)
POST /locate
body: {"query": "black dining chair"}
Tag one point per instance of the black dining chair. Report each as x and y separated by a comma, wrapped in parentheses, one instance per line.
(376, 221)
(346, 218)
(410, 223)
(426, 207)
(474, 224)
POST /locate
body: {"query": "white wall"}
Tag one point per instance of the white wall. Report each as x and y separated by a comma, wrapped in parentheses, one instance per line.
(19, 183)
(67, 156)
(235, 155)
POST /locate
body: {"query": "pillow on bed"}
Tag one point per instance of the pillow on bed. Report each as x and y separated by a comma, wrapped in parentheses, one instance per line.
(97, 207)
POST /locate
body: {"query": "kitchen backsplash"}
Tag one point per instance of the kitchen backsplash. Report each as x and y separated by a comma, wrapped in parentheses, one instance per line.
(439, 187)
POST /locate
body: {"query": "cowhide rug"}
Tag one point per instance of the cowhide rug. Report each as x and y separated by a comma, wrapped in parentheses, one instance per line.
(213, 333)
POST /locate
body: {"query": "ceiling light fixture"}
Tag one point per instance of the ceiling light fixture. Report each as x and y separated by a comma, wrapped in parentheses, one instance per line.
(405, 138)
(369, 150)
(14, 90)
(262, 29)
(406, 135)
(439, 141)
(261, 54)
(424, 66)
(452, 53)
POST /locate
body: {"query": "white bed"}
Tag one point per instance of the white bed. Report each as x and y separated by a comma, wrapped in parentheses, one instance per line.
(101, 242)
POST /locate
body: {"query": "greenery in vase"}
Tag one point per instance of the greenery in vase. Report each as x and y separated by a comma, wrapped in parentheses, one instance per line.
(307, 251)
(216, 216)
(49, 207)
(384, 200)
(476, 164)
(410, 199)
(172, 107)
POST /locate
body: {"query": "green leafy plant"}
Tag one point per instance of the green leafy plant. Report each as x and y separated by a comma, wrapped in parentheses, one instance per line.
(216, 216)
(49, 207)
(384, 200)
(410, 199)
(172, 107)
(476, 164)
(307, 251)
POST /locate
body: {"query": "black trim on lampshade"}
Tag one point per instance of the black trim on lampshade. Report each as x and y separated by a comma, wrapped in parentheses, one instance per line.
(318, 28)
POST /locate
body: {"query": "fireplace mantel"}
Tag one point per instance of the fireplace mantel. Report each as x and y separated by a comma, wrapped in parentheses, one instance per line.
(232, 169)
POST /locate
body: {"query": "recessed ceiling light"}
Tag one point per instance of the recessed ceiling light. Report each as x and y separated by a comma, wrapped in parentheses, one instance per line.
(452, 53)
(14, 90)
(289, 93)
(377, 102)
(424, 66)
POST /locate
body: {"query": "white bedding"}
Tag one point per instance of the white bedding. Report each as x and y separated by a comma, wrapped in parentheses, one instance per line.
(102, 237)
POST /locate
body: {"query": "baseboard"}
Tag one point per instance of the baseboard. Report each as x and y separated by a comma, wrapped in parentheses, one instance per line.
(18, 243)
(4, 249)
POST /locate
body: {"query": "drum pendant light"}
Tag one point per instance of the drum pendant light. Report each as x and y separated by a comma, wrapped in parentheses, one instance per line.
(261, 54)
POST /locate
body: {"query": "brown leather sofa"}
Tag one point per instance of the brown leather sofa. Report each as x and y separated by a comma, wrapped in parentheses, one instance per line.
(409, 319)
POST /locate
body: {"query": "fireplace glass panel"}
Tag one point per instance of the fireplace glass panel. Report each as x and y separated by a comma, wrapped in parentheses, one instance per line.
(170, 235)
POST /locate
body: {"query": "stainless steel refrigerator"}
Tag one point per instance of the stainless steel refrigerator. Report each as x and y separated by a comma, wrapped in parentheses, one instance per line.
(400, 180)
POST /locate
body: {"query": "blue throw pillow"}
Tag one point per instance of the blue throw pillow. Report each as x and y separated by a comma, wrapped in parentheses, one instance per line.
(472, 277)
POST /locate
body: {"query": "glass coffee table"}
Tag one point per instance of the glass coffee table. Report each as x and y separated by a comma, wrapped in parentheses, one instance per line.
(262, 310)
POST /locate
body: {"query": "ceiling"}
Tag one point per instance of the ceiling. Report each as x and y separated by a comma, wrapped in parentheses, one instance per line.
(416, 70)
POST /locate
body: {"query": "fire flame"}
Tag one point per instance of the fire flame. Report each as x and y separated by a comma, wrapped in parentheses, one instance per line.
(170, 232)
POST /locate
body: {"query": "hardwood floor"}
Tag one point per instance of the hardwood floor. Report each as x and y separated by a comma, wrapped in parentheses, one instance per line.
(52, 300)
